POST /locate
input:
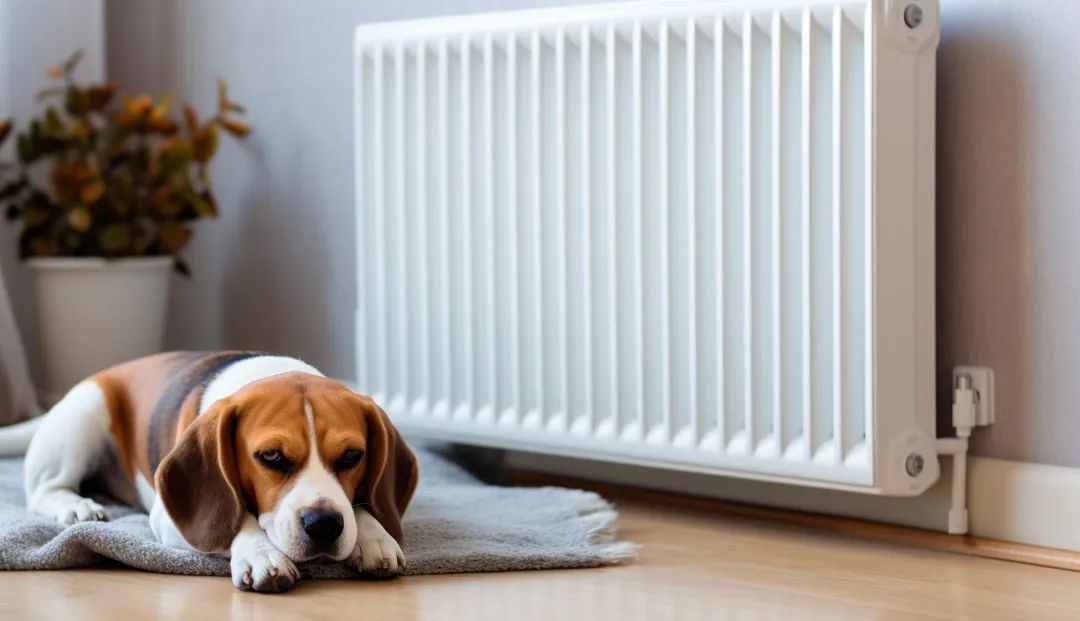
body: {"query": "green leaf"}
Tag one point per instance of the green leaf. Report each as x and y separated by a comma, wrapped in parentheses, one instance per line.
(196, 203)
(161, 107)
(237, 128)
(53, 123)
(223, 95)
(35, 216)
(191, 120)
(25, 148)
(205, 143)
(115, 238)
(72, 241)
(72, 61)
(116, 143)
(207, 205)
(76, 101)
(176, 157)
(99, 95)
(174, 236)
(166, 204)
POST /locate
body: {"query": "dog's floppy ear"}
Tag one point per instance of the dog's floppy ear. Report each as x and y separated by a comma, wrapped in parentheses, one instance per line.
(198, 482)
(391, 473)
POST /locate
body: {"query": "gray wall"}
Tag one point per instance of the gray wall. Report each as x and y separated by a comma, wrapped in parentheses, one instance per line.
(277, 271)
(35, 34)
(1008, 221)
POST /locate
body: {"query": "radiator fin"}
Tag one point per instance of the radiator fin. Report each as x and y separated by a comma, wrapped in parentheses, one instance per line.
(647, 231)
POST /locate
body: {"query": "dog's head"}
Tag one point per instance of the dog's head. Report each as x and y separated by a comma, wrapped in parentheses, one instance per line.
(297, 451)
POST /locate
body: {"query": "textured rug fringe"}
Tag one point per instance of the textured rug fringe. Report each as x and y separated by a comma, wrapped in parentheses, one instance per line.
(617, 553)
(600, 520)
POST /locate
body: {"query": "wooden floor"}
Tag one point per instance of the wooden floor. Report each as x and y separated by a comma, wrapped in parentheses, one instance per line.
(693, 566)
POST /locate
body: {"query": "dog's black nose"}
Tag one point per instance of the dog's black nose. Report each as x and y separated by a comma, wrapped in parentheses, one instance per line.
(322, 525)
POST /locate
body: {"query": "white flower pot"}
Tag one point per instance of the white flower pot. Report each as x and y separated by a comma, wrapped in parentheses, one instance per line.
(93, 313)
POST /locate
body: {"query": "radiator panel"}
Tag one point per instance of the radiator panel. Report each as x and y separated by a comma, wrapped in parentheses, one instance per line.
(650, 232)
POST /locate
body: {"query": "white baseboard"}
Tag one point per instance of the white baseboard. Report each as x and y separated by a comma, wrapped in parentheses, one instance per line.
(1012, 501)
(1025, 502)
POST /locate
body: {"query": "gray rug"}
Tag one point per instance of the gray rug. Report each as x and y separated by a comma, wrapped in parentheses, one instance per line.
(455, 524)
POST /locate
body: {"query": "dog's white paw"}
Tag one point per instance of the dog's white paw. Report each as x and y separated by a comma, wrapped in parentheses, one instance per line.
(265, 570)
(378, 555)
(81, 510)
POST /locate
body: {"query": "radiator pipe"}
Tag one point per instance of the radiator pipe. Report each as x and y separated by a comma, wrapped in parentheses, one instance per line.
(963, 415)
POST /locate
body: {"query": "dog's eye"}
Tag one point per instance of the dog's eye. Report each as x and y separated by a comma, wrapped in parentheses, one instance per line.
(349, 459)
(273, 459)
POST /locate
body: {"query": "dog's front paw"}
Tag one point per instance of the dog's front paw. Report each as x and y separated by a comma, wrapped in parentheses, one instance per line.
(377, 555)
(265, 571)
(81, 510)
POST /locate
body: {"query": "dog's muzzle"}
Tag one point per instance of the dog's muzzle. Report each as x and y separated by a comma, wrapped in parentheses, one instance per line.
(323, 527)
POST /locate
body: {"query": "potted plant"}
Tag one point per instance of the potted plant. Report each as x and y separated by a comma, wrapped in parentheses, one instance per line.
(106, 190)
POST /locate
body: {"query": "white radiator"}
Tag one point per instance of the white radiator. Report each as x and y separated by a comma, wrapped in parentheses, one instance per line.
(695, 235)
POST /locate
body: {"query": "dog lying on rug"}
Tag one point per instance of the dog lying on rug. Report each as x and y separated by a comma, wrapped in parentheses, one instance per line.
(257, 457)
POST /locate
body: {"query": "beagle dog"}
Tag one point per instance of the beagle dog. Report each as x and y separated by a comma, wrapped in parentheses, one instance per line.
(257, 457)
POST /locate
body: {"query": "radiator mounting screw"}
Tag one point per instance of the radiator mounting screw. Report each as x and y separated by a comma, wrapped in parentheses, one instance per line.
(913, 15)
(914, 465)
